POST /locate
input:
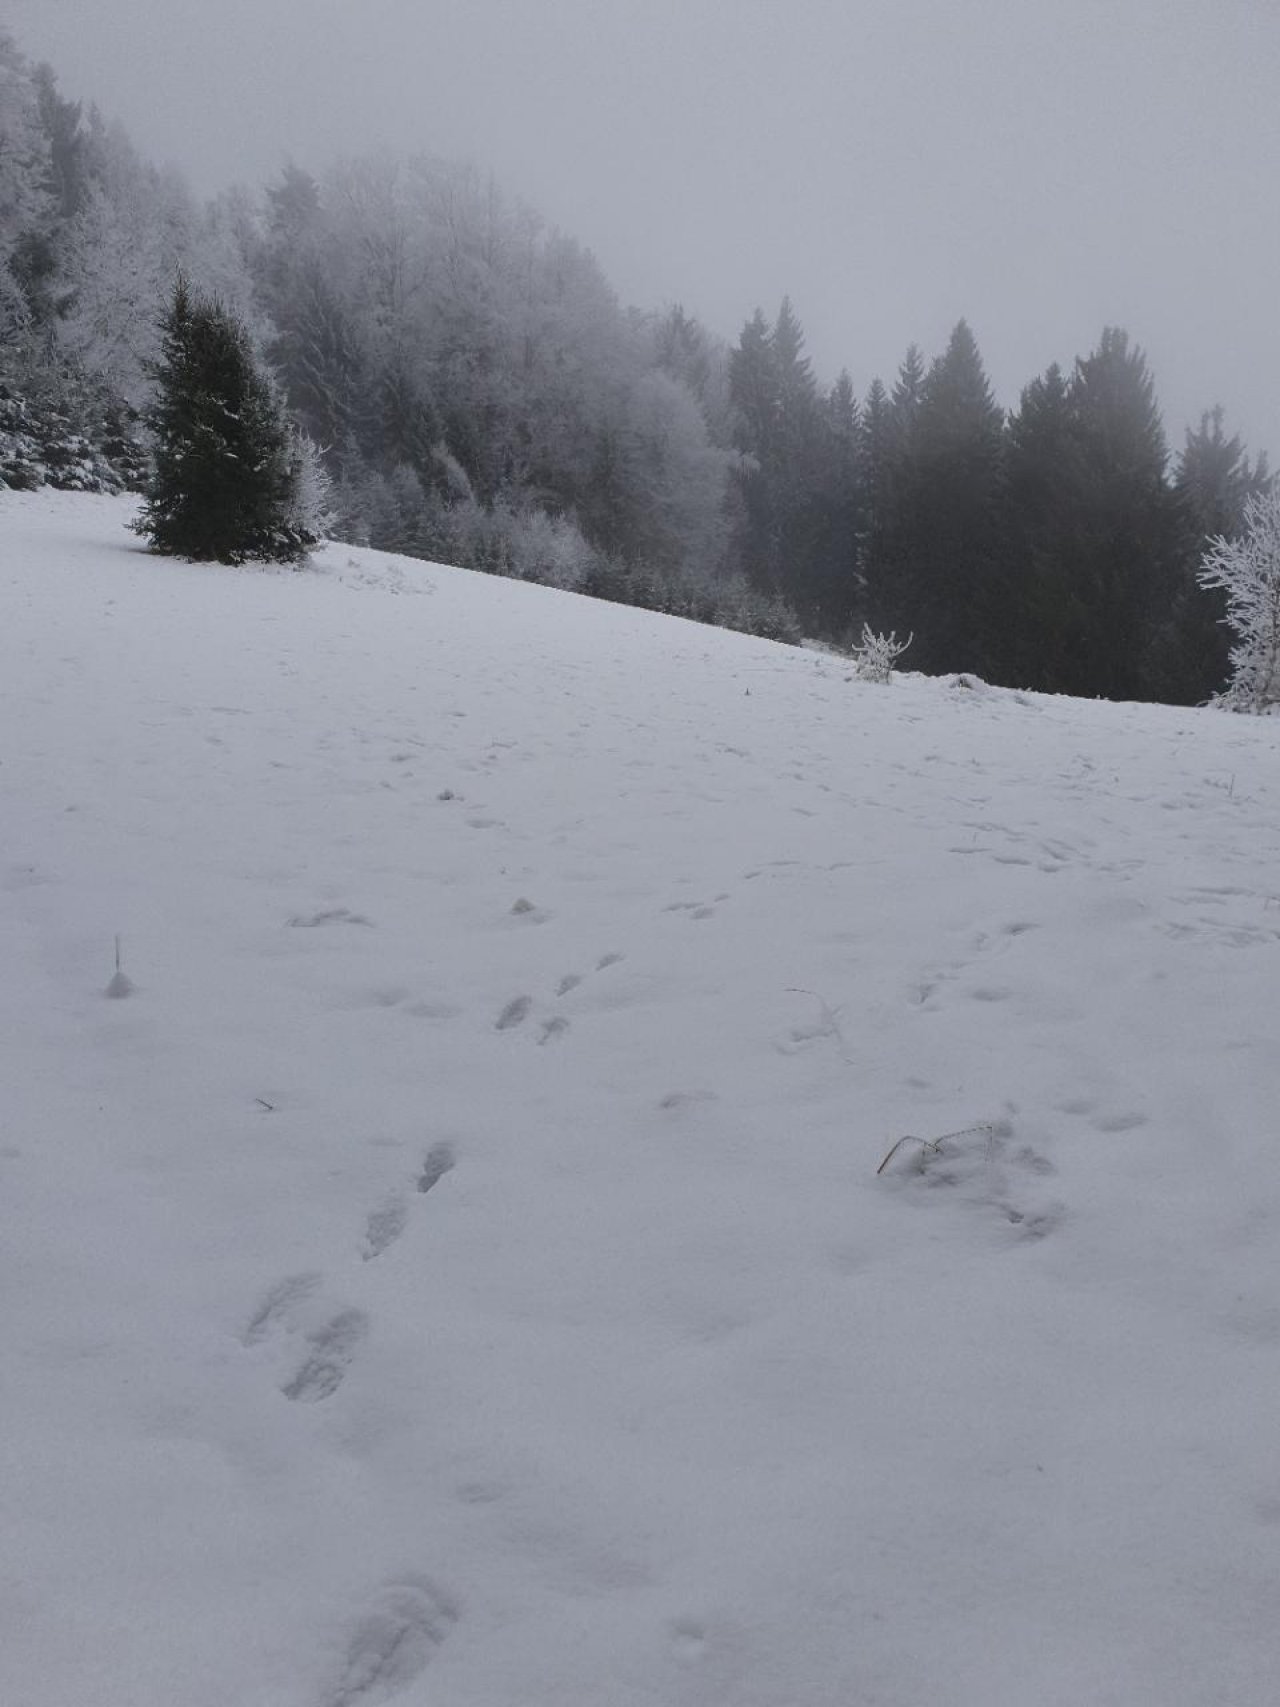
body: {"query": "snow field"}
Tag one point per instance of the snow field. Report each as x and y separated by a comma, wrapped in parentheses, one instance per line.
(458, 1275)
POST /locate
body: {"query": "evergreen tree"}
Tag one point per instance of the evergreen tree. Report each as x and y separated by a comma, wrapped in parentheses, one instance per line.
(753, 391)
(226, 473)
(889, 435)
(905, 398)
(1047, 616)
(836, 497)
(1128, 550)
(1213, 483)
(955, 486)
(934, 476)
(876, 462)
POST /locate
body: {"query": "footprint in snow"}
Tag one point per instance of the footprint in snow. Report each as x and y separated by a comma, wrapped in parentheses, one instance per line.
(525, 910)
(332, 1348)
(675, 1100)
(333, 916)
(688, 1640)
(1126, 1121)
(384, 1226)
(392, 1642)
(439, 1160)
(515, 1013)
(571, 980)
(433, 1010)
(277, 1304)
(982, 1167)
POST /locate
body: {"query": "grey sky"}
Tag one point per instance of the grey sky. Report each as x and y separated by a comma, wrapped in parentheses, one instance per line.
(1043, 169)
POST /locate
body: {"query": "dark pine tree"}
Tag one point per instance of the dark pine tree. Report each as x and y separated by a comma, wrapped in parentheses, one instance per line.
(1213, 481)
(836, 497)
(1047, 616)
(754, 395)
(1128, 562)
(890, 423)
(934, 478)
(224, 484)
(874, 536)
(956, 475)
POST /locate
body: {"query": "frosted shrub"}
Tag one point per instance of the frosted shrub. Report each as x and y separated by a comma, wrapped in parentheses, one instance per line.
(1248, 571)
(310, 505)
(549, 550)
(875, 654)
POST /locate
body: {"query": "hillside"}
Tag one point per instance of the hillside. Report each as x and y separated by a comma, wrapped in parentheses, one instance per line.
(452, 1269)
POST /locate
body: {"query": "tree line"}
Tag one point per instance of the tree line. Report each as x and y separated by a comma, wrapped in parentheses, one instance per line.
(481, 396)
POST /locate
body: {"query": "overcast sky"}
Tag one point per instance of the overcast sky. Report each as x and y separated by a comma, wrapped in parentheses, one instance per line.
(1042, 167)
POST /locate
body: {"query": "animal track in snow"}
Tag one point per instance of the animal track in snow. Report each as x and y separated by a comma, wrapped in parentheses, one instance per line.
(392, 1641)
(515, 1013)
(1127, 1121)
(439, 1160)
(384, 1226)
(572, 980)
(980, 1165)
(696, 909)
(277, 1304)
(675, 1100)
(688, 1640)
(433, 1010)
(552, 1028)
(1123, 1120)
(332, 916)
(332, 1348)
(528, 913)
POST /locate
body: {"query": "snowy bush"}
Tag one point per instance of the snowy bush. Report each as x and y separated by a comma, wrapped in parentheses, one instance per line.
(310, 508)
(875, 655)
(1247, 570)
(550, 550)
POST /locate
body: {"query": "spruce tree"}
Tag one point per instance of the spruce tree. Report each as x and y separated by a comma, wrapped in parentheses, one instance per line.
(1128, 544)
(955, 490)
(1213, 482)
(1048, 620)
(225, 471)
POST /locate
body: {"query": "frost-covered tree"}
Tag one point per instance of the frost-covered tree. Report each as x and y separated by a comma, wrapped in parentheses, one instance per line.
(1247, 570)
(228, 482)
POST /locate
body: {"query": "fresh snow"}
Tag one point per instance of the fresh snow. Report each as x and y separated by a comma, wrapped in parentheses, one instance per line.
(452, 1269)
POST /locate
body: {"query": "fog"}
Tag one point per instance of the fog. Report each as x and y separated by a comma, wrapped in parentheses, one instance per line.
(1041, 169)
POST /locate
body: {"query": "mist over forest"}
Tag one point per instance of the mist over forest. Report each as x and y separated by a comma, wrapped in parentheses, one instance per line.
(480, 396)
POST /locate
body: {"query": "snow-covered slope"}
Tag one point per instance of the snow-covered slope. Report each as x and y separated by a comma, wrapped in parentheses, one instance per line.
(457, 1274)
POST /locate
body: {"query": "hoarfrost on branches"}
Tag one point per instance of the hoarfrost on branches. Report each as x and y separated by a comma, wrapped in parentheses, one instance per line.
(1247, 570)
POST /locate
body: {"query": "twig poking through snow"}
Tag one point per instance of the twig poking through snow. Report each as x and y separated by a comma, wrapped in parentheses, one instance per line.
(120, 985)
(988, 1129)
